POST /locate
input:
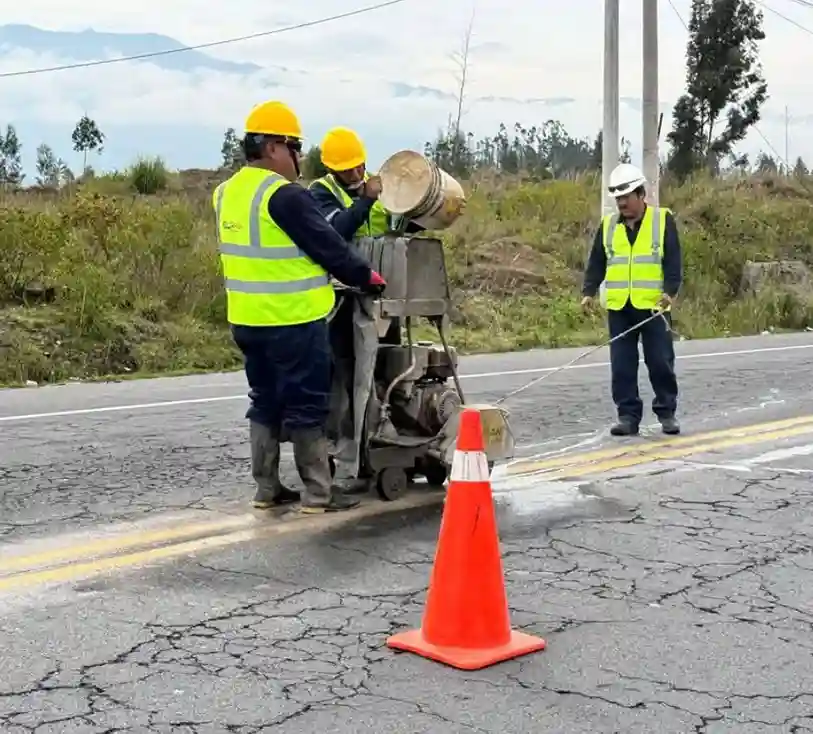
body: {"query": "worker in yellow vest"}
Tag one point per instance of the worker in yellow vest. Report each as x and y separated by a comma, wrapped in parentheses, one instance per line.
(348, 195)
(636, 252)
(277, 251)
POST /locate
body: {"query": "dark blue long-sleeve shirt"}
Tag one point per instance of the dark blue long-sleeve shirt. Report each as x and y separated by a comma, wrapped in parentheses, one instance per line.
(296, 212)
(596, 268)
(345, 221)
(348, 221)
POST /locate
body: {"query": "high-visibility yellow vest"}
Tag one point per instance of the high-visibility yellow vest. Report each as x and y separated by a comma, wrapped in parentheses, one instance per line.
(269, 280)
(634, 272)
(378, 221)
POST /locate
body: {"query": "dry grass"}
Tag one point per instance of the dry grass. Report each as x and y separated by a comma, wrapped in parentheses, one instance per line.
(100, 281)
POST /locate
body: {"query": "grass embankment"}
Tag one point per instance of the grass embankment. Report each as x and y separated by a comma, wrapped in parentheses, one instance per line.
(97, 281)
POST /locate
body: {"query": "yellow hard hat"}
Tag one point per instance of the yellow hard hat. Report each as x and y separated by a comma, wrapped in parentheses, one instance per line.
(342, 149)
(274, 118)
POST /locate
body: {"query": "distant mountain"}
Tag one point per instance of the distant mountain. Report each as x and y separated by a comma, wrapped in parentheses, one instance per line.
(90, 45)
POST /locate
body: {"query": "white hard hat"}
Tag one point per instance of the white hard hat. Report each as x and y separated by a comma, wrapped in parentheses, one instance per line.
(624, 179)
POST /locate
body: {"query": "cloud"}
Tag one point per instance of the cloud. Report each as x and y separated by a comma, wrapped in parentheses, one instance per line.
(542, 101)
(343, 45)
(400, 90)
(387, 73)
(488, 50)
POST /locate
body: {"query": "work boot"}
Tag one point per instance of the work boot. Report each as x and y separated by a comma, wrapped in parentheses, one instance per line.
(339, 502)
(624, 427)
(265, 450)
(313, 465)
(670, 426)
(345, 480)
(356, 486)
(351, 486)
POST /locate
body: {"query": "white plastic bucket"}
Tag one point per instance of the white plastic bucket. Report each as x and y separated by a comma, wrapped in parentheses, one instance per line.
(415, 187)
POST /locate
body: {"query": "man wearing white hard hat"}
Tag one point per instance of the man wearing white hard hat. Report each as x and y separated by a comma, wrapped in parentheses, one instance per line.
(636, 252)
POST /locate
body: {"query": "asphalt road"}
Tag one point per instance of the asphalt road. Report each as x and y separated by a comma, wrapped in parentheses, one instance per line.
(92, 459)
(671, 580)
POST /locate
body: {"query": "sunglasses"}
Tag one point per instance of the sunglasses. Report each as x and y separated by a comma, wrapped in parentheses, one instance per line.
(293, 144)
(616, 189)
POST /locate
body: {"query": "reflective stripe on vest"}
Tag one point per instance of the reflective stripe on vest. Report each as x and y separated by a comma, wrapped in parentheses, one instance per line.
(635, 272)
(269, 281)
(378, 221)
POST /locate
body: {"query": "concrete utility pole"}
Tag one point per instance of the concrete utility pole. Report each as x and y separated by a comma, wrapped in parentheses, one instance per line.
(610, 132)
(650, 111)
(611, 102)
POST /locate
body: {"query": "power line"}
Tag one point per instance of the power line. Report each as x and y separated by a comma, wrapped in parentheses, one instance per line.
(677, 13)
(805, 3)
(786, 18)
(771, 146)
(210, 44)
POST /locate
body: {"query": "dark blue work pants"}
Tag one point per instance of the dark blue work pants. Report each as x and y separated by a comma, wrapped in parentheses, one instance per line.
(289, 371)
(659, 357)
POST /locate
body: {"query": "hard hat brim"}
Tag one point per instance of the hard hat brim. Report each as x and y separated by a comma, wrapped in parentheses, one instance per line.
(275, 134)
(346, 165)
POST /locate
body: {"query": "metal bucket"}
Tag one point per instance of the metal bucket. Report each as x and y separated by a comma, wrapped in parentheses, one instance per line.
(413, 186)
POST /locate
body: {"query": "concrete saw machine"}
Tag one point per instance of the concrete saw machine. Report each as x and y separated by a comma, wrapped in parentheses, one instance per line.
(397, 400)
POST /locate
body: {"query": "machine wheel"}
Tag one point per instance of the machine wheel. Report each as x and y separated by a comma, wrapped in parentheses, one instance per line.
(436, 473)
(332, 462)
(391, 483)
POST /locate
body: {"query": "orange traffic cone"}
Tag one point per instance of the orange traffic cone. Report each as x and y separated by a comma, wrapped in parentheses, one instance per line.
(466, 621)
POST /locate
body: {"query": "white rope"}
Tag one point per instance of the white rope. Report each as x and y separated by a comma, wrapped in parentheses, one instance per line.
(657, 313)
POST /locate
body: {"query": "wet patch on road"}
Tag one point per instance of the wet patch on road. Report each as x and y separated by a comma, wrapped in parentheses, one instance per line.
(529, 510)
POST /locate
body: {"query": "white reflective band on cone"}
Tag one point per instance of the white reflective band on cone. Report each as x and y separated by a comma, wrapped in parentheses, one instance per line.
(469, 466)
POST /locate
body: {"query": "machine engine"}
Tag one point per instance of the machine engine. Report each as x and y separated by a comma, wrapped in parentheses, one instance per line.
(421, 400)
(410, 412)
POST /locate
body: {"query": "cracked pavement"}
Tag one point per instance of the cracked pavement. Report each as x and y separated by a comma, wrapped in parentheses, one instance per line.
(75, 471)
(677, 598)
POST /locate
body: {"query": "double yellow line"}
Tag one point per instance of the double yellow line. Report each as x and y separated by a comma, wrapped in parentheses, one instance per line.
(568, 466)
(74, 560)
(120, 552)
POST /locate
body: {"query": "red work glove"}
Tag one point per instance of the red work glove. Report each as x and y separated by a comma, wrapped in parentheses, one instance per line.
(376, 285)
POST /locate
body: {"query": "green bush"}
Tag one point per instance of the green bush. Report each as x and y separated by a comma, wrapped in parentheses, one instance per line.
(149, 176)
(97, 281)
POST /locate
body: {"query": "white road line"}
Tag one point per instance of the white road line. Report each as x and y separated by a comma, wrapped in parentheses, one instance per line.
(119, 408)
(477, 376)
(791, 452)
(589, 365)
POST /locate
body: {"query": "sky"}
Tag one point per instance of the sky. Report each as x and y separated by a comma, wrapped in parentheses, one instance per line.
(388, 73)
